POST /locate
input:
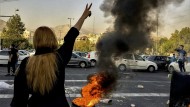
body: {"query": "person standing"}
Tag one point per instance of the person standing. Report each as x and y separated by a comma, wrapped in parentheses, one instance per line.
(14, 58)
(173, 58)
(9, 64)
(181, 58)
(43, 75)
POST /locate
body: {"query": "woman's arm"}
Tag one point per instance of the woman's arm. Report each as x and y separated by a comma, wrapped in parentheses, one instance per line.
(66, 49)
(85, 14)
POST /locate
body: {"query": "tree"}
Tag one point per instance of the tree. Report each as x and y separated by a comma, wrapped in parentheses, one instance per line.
(177, 38)
(83, 45)
(13, 31)
(161, 45)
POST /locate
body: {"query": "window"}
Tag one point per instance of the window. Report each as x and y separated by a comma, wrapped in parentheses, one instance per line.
(128, 56)
(74, 56)
(137, 57)
(3, 52)
(162, 58)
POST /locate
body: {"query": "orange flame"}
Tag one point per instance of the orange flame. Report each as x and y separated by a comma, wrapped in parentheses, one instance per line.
(91, 93)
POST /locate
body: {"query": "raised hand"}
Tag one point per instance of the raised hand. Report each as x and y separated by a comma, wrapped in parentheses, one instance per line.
(85, 14)
(87, 11)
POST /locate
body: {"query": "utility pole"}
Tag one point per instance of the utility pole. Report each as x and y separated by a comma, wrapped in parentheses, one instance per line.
(70, 21)
(157, 32)
(60, 36)
(93, 25)
(16, 10)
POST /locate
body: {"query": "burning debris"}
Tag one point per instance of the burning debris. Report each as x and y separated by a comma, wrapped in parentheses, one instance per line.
(98, 86)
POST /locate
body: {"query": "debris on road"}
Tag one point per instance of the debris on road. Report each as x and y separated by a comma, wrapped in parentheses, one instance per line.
(168, 102)
(106, 101)
(132, 105)
(140, 86)
(72, 89)
(119, 100)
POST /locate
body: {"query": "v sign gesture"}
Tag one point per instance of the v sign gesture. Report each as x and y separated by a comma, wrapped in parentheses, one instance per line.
(87, 11)
(85, 14)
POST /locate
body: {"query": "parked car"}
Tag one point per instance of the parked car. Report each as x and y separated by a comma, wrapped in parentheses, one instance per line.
(25, 52)
(79, 61)
(145, 56)
(92, 56)
(4, 56)
(175, 67)
(31, 51)
(82, 54)
(161, 61)
(135, 62)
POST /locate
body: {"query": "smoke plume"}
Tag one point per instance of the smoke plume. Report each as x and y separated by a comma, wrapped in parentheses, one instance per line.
(134, 20)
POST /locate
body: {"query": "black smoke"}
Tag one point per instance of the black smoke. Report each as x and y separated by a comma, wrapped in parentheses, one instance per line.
(134, 20)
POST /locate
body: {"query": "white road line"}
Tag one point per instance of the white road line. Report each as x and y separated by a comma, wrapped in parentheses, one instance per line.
(114, 95)
(132, 81)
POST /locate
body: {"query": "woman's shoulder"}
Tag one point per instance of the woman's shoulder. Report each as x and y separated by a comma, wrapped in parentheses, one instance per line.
(24, 61)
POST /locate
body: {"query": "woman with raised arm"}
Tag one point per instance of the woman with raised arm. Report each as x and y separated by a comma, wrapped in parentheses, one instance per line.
(43, 75)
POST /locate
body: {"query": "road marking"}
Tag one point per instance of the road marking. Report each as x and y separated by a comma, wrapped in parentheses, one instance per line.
(114, 95)
(132, 81)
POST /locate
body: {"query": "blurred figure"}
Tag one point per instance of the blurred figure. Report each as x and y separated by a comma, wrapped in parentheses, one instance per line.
(9, 64)
(179, 90)
(181, 58)
(13, 58)
(173, 58)
(43, 75)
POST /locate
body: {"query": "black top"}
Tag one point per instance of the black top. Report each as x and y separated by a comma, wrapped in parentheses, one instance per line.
(14, 55)
(56, 97)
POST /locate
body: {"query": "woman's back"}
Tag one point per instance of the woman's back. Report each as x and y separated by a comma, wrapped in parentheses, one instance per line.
(43, 75)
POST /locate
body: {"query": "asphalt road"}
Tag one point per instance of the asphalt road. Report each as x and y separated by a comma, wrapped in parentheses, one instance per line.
(141, 88)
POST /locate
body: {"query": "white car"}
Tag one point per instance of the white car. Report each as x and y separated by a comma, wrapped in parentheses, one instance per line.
(24, 52)
(93, 57)
(4, 56)
(31, 52)
(173, 66)
(135, 62)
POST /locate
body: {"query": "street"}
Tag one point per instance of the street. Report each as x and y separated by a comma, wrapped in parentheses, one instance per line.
(141, 88)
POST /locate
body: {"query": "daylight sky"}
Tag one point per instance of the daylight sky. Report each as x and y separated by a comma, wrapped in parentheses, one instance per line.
(35, 13)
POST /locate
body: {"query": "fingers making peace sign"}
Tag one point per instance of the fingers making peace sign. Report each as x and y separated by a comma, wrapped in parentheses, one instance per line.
(87, 11)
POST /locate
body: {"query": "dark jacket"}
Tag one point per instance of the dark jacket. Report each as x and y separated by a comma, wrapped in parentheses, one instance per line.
(14, 53)
(56, 97)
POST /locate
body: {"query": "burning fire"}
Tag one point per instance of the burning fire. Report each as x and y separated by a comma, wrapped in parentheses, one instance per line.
(91, 93)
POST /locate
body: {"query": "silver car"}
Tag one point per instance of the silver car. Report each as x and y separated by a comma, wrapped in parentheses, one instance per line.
(77, 60)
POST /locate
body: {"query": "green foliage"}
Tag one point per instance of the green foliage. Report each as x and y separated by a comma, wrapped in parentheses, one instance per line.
(13, 32)
(84, 46)
(177, 38)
